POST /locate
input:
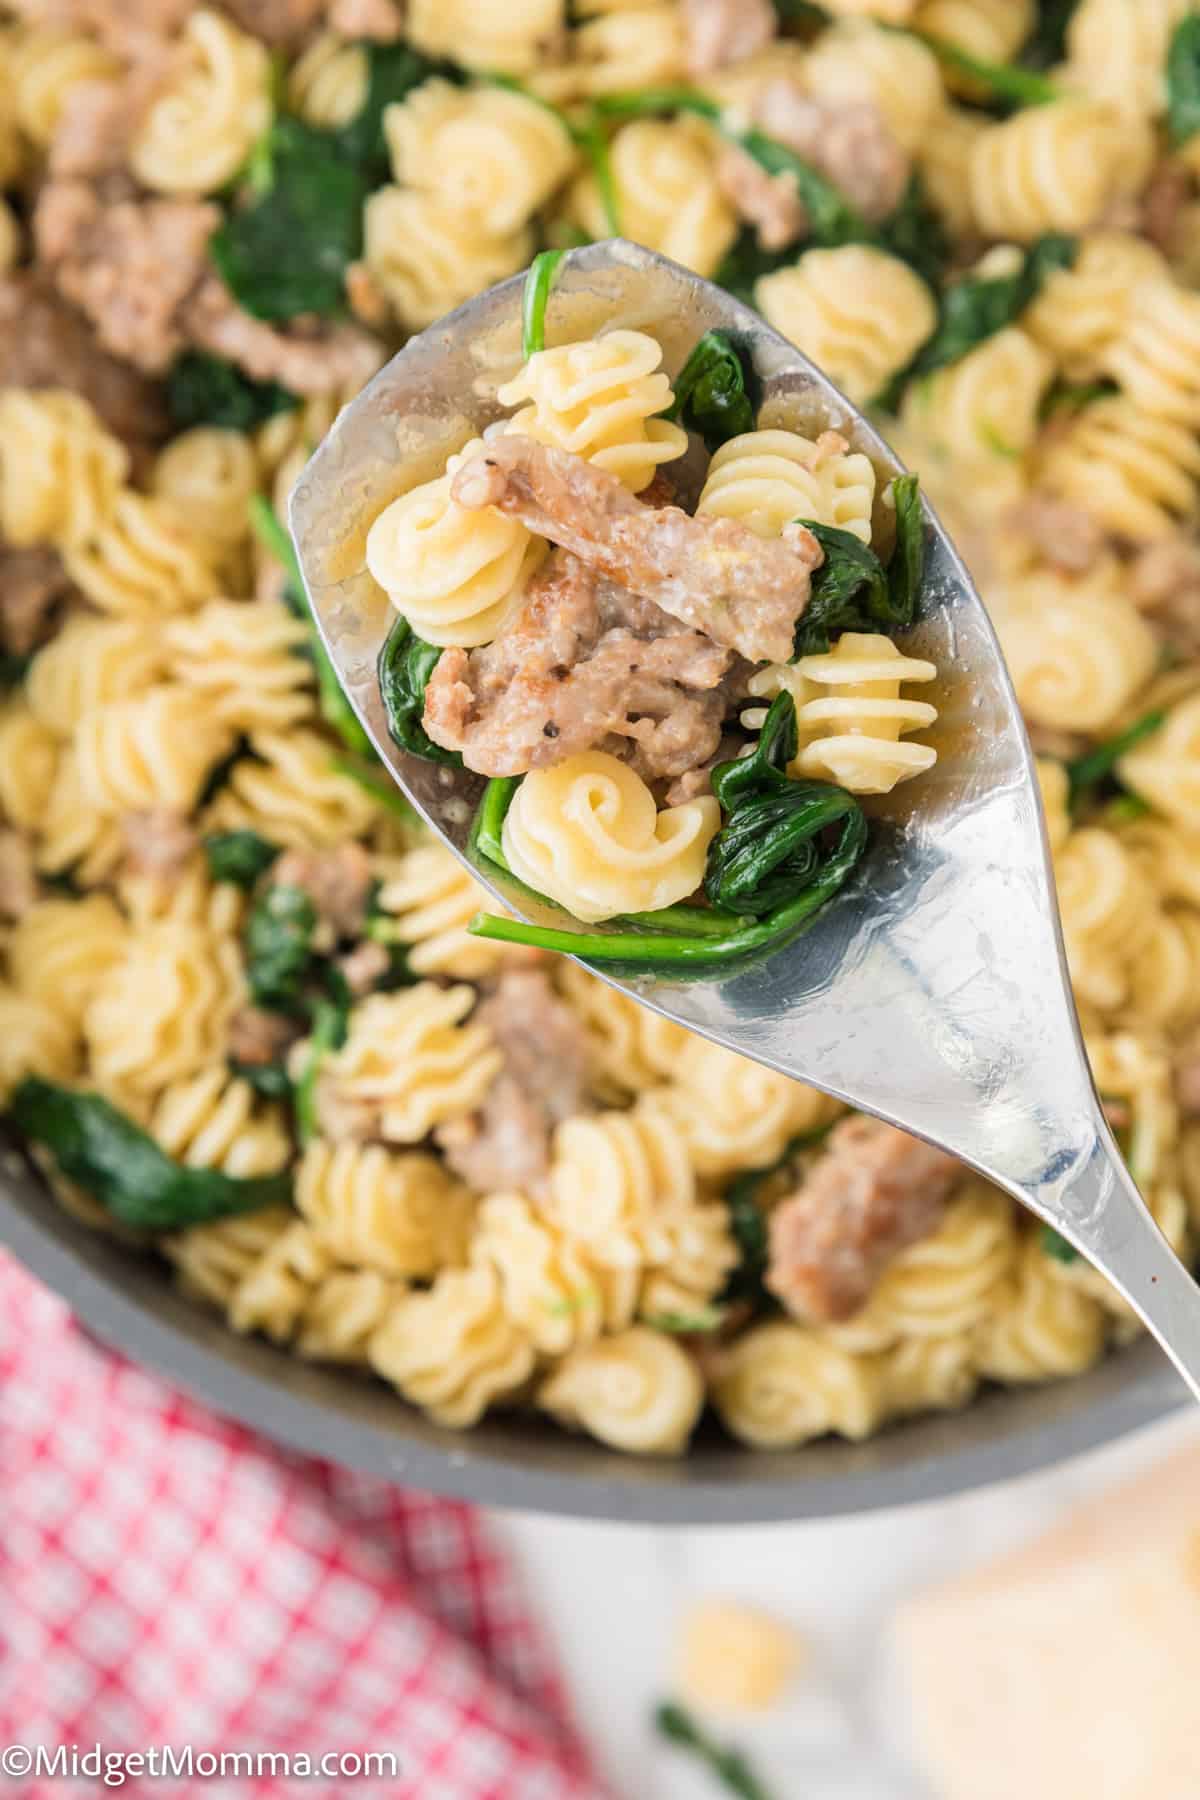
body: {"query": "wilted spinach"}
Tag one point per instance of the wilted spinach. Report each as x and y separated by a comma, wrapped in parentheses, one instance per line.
(1183, 80)
(1088, 774)
(977, 307)
(852, 591)
(238, 856)
(1047, 44)
(730, 1766)
(747, 262)
(538, 282)
(393, 70)
(279, 948)
(207, 390)
(330, 1020)
(118, 1164)
(405, 664)
(712, 391)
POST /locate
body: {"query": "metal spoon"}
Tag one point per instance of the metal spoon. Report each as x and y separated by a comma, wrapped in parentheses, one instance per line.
(933, 991)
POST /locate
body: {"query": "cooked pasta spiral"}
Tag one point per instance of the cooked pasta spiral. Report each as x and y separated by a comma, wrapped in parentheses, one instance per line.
(1155, 358)
(484, 151)
(779, 1385)
(943, 158)
(1056, 167)
(452, 1350)
(1055, 787)
(508, 39)
(200, 129)
(210, 474)
(854, 736)
(245, 659)
(629, 1047)
(1077, 649)
(161, 1011)
(35, 1039)
(290, 791)
(928, 1374)
(588, 834)
(60, 469)
(432, 900)
(154, 750)
(62, 949)
(457, 574)
(1041, 1327)
(29, 764)
(617, 1182)
(1117, 50)
(212, 1260)
(1135, 472)
(47, 63)
(374, 1208)
(736, 1114)
(143, 559)
(703, 1255)
(858, 60)
(667, 194)
(600, 399)
(343, 1313)
(214, 1120)
(90, 662)
(427, 257)
(767, 478)
(273, 1296)
(72, 835)
(985, 404)
(638, 1390)
(550, 1288)
(411, 1062)
(1108, 912)
(859, 313)
(627, 47)
(1165, 768)
(992, 30)
(1079, 312)
(328, 82)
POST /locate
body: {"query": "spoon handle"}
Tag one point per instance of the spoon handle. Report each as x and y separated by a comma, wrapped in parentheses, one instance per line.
(1102, 1213)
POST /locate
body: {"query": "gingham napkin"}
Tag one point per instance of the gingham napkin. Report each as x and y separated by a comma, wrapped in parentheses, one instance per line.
(168, 1578)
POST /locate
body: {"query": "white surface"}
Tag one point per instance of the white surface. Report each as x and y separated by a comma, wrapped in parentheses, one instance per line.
(613, 1596)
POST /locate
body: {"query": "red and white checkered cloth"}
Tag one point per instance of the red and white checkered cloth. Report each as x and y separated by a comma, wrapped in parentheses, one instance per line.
(166, 1577)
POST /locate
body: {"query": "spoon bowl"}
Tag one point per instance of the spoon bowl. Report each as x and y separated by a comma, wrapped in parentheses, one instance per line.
(933, 990)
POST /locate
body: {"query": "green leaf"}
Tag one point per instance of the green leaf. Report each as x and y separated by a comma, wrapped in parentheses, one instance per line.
(730, 1766)
(1004, 81)
(335, 709)
(1183, 80)
(330, 1021)
(1057, 1246)
(906, 571)
(976, 307)
(286, 252)
(207, 390)
(238, 856)
(916, 234)
(279, 947)
(1087, 772)
(1073, 396)
(271, 1080)
(118, 1164)
(406, 663)
(745, 264)
(849, 592)
(13, 670)
(538, 282)
(712, 391)
(1047, 44)
(393, 70)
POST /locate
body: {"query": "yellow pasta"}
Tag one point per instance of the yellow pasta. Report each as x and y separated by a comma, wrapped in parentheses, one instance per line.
(72, 835)
(29, 763)
(482, 151)
(210, 475)
(342, 1314)
(161, 1012)
(549, 1287)
(156, 749)
(851, 717)
(47, 62)
(456, 573)
(767, 478)
(273, 1296)
(89, 663)
(780, 1385)
(928, 1374)
(411, 1061)
(985, 405)
(1165, 768)
(1056, 167)
(943, 158)
(667, 194)
(291, 792)
(703, 1256)
(60, 469)
(1155, 358)
(35, 1039)
(599, 398)
(736, 1114)
(452, 1350)
(991, 30)
(212, 1120)
(244, 659)
(143, 560)
(1041, 1327)
(485, 35)
(638, 1390)
(734, 1656)
(1135, 472)
(1077, 649)
(374, 1208)
(617, 1181)
(1079, 312)
(859, 313)
(211, 1261)
(427, 257)
(11, 235)
(61, 950)
(1117, 50)
(629, 1047)
(200, 129)
(432, 899)
(627, 47)
(588, 834)
(857, 60)
(328, 82)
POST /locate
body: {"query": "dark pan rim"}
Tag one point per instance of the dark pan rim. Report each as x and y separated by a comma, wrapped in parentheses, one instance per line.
(128, 1302)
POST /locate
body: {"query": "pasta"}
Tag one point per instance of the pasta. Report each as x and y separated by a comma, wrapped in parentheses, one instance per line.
(1156, 357)
(91, 662)
(72, 834)
(485, 152)
(153, 750)
(943, 158)
(985, 405)
(160, 1013)
(211, 1121)
(35, 1039)
(328, 82)
(667, 195)
(857, 60)
(47, 63)
(142, 560)
(768, 478)
(210, 474)
(510, 39)
(451, 1349)
(1135, 472)
(273, 1296)
(637, 1390)
(780, 1385)
(61, 950)
(629, 1047)
(623, 49)
(343, 1312)
(735, 1656)
(28, 765)
(431, 899)
(201, 128)
(550, 1288)
(244, 659)
(460, 575)
(1165, 770)
(373, 1208)
(1081, 311)
(60, 470)
(850, 714)
(618, 1181)
(1041, 1328)
(600, 399)
(929, 1374)
(1117, 50)
(1078, 650)
(991, 30)
(290, 791)
(213, 1260)
(427, 257)
(588, 834)
(411, 1062)
(1055, 167)
(734, 1113)
(860, 314)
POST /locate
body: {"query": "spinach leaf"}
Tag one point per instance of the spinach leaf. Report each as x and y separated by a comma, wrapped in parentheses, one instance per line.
(538, 282)
(392, 71)
(975, 308)
(330, 1021)
(1089, 772)
(279, 947)
(852, 591)
(906, 571)
(114, 1161)
(1183, 80)
(743, 265)
(336, 710)
(1056, 1246)
(712, 391)
(287, 250)
(592, 141)
(405, 664)
(915, 233)
(13, 670)
(1048, 43)
(1004, 81)
(207, 390)
(271, 1080)
(238, 856)
(730, 1766)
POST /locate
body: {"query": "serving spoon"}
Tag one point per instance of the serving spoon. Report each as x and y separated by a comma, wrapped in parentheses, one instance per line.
(933, 990)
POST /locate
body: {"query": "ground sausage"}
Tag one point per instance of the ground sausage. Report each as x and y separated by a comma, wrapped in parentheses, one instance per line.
(46, 343)
(1164, 583)
(1067, 535)
(584, 665)
(258, 1037)
(717, 32)
(875, 1192)
(506, 1144)
(848, 143)
(129, 27)
(771, 203)
(308, 360)
(337, 881)
(33, 583)
(715, 575)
